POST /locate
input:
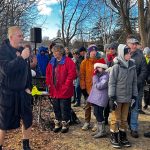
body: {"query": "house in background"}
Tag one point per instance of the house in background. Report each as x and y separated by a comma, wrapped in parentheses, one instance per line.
(57, 40)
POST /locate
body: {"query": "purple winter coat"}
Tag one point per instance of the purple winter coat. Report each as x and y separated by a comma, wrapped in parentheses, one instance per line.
(99, 91)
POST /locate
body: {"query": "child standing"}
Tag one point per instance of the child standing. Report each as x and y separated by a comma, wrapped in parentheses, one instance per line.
(99, 95)
(122, 91)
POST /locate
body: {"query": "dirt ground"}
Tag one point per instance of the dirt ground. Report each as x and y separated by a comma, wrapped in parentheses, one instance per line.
(76, 139)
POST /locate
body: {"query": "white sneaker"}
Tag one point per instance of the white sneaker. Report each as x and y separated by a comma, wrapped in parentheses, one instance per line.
(86, 126)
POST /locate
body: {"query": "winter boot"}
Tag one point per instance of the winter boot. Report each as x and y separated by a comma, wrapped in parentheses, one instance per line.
(65, 127)
(76, 104)
(134, 134)
(26, 144)
(86, 126)
(101, 130)
(115, 140)
(95, 127)
(123, 139)
(145, 107)
(147, 134)
(57, 127)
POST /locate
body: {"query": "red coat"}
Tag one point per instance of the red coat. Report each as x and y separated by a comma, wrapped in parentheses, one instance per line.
(62, 85)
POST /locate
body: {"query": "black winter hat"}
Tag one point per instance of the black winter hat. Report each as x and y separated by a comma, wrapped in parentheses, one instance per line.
(113, 45)
(81, 49)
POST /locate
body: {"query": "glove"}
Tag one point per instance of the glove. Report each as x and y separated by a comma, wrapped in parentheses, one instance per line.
(133, 102)
(113, 104)
(84, 92)
(95, 72)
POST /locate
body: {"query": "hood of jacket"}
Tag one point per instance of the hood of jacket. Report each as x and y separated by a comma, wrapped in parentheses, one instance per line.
(42, 49)
(120, 58)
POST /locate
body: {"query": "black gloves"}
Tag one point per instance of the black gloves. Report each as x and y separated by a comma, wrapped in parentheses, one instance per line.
(133, 102)
(84, 92)
(112, 103)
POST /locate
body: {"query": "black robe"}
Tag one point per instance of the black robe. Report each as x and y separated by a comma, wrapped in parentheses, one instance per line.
(15, 77)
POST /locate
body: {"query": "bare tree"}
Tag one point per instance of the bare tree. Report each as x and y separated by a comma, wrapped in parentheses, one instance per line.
(144, 22)
(123, 7)
(147, 25)
(73, 13)
(16, 12)
(105, 24)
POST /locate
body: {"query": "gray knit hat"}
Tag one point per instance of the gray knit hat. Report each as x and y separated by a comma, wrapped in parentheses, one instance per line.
(106, 46)
(132, 41)
(146, 51)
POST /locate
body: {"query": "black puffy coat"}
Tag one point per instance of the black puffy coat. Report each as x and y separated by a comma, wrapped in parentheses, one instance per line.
(141, 67)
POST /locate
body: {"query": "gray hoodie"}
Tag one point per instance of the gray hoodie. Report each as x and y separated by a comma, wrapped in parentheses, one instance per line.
(123, 78)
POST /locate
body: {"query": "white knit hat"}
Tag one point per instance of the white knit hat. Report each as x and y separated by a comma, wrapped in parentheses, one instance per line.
(100, 65)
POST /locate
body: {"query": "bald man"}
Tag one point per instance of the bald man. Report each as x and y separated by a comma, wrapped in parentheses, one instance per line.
(15, 86)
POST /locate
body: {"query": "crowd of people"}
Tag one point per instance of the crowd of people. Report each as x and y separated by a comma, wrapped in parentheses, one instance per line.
(112, 82)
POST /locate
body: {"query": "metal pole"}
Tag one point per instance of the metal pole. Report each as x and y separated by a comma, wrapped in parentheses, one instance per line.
(35, 48)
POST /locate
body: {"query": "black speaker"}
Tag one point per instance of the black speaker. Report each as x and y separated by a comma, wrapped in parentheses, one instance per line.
(36, 35)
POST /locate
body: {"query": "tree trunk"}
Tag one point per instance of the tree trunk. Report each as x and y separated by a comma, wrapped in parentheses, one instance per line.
(123, 8)
(147, 18)
(126, 24)
(141, 24)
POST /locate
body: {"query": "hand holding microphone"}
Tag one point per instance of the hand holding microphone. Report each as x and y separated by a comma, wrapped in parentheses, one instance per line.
(25, 53)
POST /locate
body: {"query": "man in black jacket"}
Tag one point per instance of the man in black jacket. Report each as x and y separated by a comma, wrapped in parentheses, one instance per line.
(15, 86)
(81, 51)
(141, 69)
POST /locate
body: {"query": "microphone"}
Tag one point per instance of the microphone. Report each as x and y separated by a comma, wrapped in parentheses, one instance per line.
(29, 47)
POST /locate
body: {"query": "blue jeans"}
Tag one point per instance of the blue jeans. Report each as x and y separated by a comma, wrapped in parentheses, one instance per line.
(134, 117)
(135, 112)
(78, 91)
